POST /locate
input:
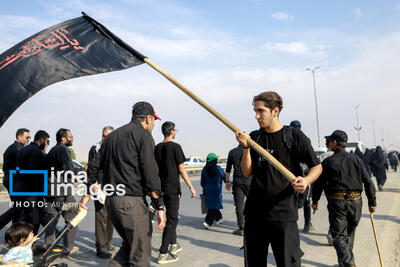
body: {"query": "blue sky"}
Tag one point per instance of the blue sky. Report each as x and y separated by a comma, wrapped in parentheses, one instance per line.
(226, 52)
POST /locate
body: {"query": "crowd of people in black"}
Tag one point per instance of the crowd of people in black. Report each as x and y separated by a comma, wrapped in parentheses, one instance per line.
(29, 207)
(377, 163)
(266, 202)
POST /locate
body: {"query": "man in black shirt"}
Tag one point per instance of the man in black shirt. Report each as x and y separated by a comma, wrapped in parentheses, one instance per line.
(304, 199)
(342, 178)
(10, 155)
(127, 159)
(10, 163)
(59, 161)
(240, 185)
(32, 157)
(170, 159)
(103, 224)
(271, 194)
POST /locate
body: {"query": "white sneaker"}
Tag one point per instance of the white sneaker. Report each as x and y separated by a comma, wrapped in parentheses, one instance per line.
(175, 249)
(219, 221)
(166, 258)
(206, 226)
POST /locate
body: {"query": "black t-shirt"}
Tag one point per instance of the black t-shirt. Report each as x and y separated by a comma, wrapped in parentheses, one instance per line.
(235, 158)
(168, 156)
(271, 194)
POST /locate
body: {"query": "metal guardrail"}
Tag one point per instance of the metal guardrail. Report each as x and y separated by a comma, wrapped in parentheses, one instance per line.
(192, 170)
(196, 169)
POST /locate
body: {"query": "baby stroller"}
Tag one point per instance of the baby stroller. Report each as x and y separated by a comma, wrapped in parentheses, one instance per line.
(53, 252)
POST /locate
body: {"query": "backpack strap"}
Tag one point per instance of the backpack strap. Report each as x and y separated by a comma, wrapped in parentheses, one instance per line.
(288, 136)
(257, 135)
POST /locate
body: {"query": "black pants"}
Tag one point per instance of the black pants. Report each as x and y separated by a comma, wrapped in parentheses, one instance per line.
(240, 191)
(303, 201)
(33, 213)
(131, 219)
(103, 227)
(10, 215)
(380, 180)
(283, 237)
(171, 202)
(53, 207)
(212, 215)
(394, 166)
(307, 212)
(344, 216)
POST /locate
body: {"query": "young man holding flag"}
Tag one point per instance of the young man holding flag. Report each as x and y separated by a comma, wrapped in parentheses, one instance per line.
(270, 193)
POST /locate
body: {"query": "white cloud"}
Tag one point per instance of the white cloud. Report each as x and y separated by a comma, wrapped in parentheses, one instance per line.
(298, 48)
(19, 21)
(282, 16)
(357, 13)
(180, 32)
(178, 48)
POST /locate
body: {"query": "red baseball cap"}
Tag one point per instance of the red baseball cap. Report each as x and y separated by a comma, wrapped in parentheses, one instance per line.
(144, 108)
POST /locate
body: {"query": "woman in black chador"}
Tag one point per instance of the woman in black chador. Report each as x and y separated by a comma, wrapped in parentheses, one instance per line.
(378, 167)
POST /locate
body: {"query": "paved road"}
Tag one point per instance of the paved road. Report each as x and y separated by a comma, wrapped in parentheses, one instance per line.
(219, 248)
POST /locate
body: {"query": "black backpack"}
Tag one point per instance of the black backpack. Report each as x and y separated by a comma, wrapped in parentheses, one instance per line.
(287, 137)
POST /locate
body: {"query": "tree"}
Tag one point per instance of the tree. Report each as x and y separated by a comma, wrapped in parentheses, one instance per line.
(73, 156)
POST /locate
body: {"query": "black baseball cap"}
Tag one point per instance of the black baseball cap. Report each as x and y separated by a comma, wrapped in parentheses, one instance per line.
(144, 108)
(295, 124)
(338, 135)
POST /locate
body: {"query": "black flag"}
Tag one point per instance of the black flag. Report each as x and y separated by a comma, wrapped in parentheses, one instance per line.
(73, 48)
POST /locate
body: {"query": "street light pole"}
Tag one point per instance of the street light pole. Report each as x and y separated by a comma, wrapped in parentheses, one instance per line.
(315, 98)
(373, 125)
(358, 128)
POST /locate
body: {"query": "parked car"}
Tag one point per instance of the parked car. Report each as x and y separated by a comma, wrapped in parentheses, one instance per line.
(222, 161)
(78, 166)
(194, 161)
(321, 150)
(351, 146)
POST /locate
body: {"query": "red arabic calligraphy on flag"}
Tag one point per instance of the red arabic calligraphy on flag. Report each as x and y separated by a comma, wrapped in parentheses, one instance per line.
(57, 38)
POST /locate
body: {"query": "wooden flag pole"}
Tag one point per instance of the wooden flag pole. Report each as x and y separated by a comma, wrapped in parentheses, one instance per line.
(265, 154)
(376, 238)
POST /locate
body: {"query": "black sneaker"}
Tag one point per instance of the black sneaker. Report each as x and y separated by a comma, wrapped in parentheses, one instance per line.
(330, 240)
(103, 255)
(238, 232)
